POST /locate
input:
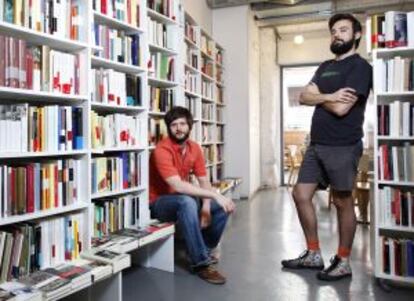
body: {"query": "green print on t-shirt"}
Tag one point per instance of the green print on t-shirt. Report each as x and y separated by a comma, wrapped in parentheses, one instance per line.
(329, 73)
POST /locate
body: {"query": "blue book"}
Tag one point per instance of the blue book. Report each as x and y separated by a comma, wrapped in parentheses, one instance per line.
(410, 258)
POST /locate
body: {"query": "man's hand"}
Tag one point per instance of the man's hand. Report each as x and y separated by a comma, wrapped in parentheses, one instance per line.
(345, 95)
(226, 203)
(205, 216)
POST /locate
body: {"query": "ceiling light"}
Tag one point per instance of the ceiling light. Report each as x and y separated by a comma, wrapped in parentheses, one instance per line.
(298, 39)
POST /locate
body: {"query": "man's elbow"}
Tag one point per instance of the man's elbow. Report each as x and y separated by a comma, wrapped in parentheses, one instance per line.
(341, 112)
(302, 100)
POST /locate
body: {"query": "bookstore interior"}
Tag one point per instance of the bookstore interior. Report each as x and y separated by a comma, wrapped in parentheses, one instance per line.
(85, 86)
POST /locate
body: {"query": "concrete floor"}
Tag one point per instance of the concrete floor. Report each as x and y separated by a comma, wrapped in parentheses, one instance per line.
(261, 233)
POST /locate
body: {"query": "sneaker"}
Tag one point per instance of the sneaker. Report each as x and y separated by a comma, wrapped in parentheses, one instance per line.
(338, 269)
(307, 260)
(211, 275)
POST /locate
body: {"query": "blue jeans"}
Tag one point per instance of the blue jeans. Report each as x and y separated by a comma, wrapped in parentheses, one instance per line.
(184, 210)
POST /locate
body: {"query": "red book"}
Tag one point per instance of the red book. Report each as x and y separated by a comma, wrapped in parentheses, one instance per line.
(30, 188)
(103, 7)
(2, 60)
(7, 62)
(14, 63)
(29, 68)
(22, 64)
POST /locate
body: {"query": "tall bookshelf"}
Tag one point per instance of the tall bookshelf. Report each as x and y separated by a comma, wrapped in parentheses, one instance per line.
(393, 206)
(204, 93)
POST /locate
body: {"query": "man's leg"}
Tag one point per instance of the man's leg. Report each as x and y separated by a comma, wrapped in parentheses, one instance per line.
(213, 232)
(302, 195)
(183, 210)
(347, 223)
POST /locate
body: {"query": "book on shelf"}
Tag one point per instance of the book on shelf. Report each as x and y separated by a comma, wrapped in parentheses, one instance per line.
(161, 66)
(121, 244)
(219, 56)
(207, 111)
(397, 257)
(207, 132)
(207, 89)
(79, 277)
(157, 130)
(390, 30)
(54, 128)
(118, 261)
(116, 173)
(395, 74)
(16, 291)
(192, 104)
(58, 18)
(207, 45)
(210, 154)
(161, 99)
(33, 187)
(191, 56)
(115, 130)
(168, 8)
(111, 215)
(161, 35)
(117, 45)
(124, 11)
(191, 81)
(156, 230)
(219, 95)
(98, 270)
(116, 88)
(396, 119)
(220, 134)
(38, 68)
(191, 32)
(219, 114)
(395, 162)
(207, 66)
(397, 207)
(51, 286)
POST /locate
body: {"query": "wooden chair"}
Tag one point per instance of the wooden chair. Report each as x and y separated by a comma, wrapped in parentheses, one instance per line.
(294, 160)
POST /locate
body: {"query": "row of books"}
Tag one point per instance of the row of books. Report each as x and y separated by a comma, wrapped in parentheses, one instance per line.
(207, 133)
(396, 119)
(392, 29)
(219, 114)
(395, 75)
(37, 68)
(210, 154)
(191, 56)
(26, 248)
(219, 74)
(207, 111)
(207, 45)
(115, 130)
(207, 66)
(395, 163)
(398, 257)
(191, 32)
(116, 88)
(38, 186)
(116, 173)
(59, 18)
(159, 34)
(161, 66)
(191, 81)
(207, 89)
(161, 99)
(127, 11)
(397, 207)
(192, 104)
(219, 95)
(219, 57)
(117, 46)
(157, 131)
(111, 215)
(195, 134)
(220, 133)
(167, 8)
(39, 129)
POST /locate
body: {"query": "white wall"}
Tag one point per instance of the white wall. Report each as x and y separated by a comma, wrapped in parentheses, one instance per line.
(269, 114)
(201, 13)
(232, 29)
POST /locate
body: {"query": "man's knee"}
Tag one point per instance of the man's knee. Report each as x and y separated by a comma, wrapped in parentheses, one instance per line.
(342, 199)
(300, 196)
(187, 205)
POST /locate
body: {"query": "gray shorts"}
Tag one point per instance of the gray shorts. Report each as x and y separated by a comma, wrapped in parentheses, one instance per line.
(331, 165)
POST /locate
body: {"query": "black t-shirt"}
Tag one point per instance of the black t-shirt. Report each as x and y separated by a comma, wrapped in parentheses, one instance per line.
(328, 128)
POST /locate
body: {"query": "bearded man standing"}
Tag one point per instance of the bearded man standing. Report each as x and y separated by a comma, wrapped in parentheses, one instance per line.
(339, 91)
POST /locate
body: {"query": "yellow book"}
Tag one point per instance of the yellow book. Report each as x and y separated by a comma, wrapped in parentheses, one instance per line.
(75, 253)
(51, 185)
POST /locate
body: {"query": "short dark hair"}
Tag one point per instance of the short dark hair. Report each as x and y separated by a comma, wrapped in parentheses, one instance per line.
(178, 112)
(356, 25)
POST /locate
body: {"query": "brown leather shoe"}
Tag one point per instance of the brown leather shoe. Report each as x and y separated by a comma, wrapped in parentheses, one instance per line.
(211, 275)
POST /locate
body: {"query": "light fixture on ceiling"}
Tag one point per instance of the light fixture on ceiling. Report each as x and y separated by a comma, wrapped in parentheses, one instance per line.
(298, 39)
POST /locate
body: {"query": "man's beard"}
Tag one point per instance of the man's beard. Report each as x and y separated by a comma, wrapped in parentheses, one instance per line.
(178, 140)
(342, 48)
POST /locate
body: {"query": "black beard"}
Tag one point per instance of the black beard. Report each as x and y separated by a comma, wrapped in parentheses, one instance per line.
(341, 48)
(178, 140)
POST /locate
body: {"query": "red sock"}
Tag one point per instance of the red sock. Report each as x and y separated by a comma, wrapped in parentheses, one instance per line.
(313, 245)
(344, 252)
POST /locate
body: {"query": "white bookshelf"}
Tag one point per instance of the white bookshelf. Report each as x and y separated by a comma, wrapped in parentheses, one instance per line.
(381, 229)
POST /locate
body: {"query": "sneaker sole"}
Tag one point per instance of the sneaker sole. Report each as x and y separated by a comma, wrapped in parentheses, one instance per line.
(303, 267)
(325, 277)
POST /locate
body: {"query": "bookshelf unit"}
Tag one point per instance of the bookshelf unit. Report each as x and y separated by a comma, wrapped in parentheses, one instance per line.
(203, 90)
(393, 184)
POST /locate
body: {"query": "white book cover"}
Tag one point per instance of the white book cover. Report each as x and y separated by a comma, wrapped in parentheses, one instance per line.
(406, 119)
(410, 209)
(69, 128)
(395, 170)
(410, 29)
(1, 197)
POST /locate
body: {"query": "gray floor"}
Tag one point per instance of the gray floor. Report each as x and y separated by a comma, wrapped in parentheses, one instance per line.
(262, 232)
